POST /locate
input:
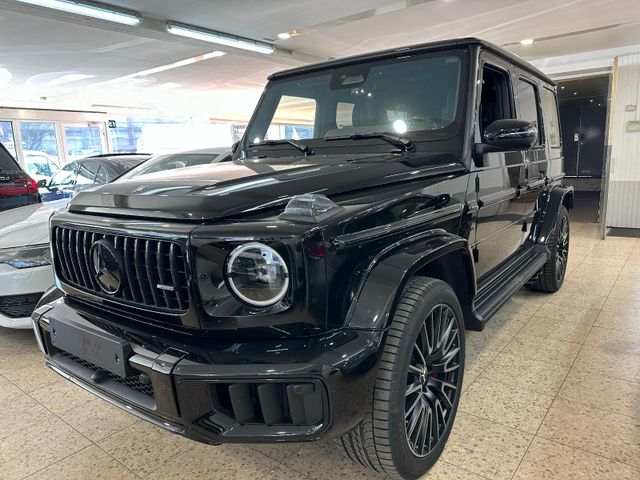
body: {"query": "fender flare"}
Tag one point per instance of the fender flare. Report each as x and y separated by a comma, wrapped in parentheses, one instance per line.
(556, 196)
(387, 275)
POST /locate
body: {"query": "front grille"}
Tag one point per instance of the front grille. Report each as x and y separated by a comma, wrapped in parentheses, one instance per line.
(147, 264)
(133, 382)
(18, 306)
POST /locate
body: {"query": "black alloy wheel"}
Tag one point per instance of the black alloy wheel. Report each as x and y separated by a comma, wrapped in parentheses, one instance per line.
(552, 275)
(432, 380)
(418, 384)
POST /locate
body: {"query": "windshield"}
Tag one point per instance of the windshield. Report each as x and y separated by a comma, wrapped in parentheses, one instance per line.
(415, 96)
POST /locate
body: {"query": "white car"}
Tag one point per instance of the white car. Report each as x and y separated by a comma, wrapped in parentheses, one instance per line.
(25, 260)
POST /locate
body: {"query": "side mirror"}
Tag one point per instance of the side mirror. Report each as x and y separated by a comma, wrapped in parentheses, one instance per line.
(42, 183)
(511, 134)
(235, 146)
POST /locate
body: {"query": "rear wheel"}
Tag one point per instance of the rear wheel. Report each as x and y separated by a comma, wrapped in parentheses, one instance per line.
(418, 384)
(552, 275)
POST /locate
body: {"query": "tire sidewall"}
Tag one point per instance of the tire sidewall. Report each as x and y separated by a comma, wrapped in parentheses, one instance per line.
(406, 462)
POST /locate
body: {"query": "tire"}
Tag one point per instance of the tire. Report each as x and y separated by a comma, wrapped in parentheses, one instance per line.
(384, 440)
(552, 275)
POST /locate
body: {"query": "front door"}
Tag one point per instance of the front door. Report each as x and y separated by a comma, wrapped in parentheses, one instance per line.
(499, 177)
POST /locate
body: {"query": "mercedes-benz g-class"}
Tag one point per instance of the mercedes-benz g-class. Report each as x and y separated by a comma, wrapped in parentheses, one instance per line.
(319, 284)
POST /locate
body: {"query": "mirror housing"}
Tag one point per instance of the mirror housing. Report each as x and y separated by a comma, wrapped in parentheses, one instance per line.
(42, 183)
(511, 134)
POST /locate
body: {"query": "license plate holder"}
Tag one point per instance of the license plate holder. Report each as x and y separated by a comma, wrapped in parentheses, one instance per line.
(102, 349)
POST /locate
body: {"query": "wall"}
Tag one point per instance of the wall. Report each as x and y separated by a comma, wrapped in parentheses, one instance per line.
(623, 203)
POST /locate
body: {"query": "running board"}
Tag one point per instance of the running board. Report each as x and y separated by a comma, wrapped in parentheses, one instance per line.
(501, 285)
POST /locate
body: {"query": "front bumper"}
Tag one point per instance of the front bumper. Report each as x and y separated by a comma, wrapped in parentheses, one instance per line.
(19, 293)
(324, 393)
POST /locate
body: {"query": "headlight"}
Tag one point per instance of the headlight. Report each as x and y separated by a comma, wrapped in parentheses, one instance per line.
(27, 257)
(257, 274)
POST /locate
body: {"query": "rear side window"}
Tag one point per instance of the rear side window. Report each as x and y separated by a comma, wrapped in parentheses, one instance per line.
(551, 122)
(7, 163)
(527, 104)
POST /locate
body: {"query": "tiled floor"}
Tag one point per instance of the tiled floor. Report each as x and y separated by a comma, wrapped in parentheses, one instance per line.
(552, 390)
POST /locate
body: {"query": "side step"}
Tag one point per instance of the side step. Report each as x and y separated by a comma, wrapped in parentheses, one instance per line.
(501, 285)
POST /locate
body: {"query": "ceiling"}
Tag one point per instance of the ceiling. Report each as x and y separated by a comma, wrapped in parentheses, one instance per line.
(58, 60)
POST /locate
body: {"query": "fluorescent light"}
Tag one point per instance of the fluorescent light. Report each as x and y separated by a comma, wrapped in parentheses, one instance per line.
(526, 42)
(219, 38)
(284, 35)
(88, 10)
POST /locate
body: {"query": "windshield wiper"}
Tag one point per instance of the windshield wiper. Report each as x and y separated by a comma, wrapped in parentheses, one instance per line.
(300, 146)
(403, 143)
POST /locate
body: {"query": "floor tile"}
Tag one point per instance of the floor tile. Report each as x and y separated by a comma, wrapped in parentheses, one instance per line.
(505, 404)
(32, 375)
(61, 397)
(612, 363)
(90, 463)
(326, 461)
(602, 391)
(578, 298)
(547, 460)
(618, 340)
(142, 446)
(530, 345)
(525, 373)
(446, 471)
(98, 419)
(485, 448)
(595, 430)
(20, 412)
(8, 390)
(224, 462)
(277, 451)
(38, 447)
(625, 304)
(627, 321)
(283, 473)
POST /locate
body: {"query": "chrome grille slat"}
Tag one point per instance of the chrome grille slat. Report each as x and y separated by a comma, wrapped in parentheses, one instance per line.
(146, 263)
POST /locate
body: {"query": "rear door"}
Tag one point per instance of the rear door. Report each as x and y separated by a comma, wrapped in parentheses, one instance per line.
(16, 187)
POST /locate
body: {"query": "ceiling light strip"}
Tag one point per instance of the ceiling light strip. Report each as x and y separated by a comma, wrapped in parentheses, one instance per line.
(219, 38)
(88, 10)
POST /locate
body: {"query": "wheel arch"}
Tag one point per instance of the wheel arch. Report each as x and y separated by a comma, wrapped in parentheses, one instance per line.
(437, 254)
(555, 197)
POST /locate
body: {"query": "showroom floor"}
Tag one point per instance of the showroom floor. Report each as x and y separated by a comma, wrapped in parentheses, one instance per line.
(552, 390)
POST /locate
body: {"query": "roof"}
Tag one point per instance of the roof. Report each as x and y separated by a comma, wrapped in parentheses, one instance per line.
(414, 49)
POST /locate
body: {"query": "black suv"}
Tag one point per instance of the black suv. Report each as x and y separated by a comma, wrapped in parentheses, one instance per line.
(17, 188)
(319, 284)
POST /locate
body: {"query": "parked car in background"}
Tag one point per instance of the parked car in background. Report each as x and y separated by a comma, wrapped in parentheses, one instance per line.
(88, 172)
(40, 165)
(17, 188)
(25, 262)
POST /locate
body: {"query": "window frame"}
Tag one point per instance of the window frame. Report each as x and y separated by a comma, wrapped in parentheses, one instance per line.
(556, 112)
(542, 140)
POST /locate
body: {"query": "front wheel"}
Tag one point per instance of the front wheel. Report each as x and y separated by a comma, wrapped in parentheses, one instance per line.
(418, 385)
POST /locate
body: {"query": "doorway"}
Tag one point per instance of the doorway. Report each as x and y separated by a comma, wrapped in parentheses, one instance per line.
(583, 119)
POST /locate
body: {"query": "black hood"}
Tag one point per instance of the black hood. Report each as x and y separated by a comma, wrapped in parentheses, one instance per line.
(229, 189)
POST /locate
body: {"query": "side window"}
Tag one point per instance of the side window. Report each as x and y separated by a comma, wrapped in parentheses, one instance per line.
(550, 114)
(294, 118)
(87, 173)
(344, 114)
(495, 99)
(527, 104)
(101, 176)
(65, 177)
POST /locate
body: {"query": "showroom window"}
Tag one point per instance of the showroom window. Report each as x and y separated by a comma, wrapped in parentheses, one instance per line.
(7, 138)
(39, 137)
(344, 114)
